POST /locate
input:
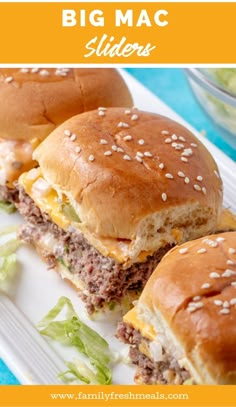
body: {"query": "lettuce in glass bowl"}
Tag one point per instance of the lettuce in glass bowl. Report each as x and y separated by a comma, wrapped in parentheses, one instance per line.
(215, 90)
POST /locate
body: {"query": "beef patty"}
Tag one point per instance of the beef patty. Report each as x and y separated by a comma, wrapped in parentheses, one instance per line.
(104, 279)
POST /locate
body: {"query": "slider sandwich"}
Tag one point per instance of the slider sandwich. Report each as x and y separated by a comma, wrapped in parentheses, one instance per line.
(114, 190)
(34, 101)
(183, 328)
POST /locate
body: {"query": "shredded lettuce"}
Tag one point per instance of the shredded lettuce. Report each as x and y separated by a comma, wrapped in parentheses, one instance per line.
(225, 77)
(9, 247)
(8, 230)
(7, 253)
(80, 371)
(7, 207)
(62, 261)
(73, 332)
(8, 264)
(70, 212)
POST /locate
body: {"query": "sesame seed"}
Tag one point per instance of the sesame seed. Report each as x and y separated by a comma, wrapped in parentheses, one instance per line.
(165, 132)
(127, 138)
(181, 174)
(161, 166)
(233, 283)
(139, 159)
(120, 150)
(168, 140)
(147, 154)
(198, 304)
(122, 124)
(77, 149)
(60, 72)
(101, 113)
(174, 137)
(231, 250)
(233, 301)
(194, 306)
(141, 142)
(186, 180)
(220, 239)
(114, 147)
(230, 262)
(181, 138)
(127, 111)
(67, 133)
(139, 154)
(199, 178)
(108, 152)
(193, 144)
(214, 275)
(183, 250)
(191, 309)
(204, 190)
(177, 146)
(226, 304)
(187, 152)
(196, 298)
(218, 303)
(210, 242)
(91, 157)
(73, 137)
(224, 311)
(184, 159)
(134, 117)
(102, 108)
(202, 250)
(34, 70)
(126, 157)
(205, 286)
(102, 141)
(216, 174)
(228, 273)
(170, 176)
(9, 79)
(24, 70)
(197, 187)
(44, 72)
(164, 197)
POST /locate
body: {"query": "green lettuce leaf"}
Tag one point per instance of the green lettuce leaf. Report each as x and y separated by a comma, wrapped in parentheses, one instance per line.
(7, 207)
(70, 212)
(8, 264)
(80, 371)
(73, 332)
(9, 247)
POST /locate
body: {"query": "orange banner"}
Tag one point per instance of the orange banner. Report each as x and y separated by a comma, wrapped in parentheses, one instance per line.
(117, 396)
(117, 33)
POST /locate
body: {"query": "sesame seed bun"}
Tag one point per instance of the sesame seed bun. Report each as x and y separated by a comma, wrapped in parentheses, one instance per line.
(190, 300)
(35, 101)
(123, 172)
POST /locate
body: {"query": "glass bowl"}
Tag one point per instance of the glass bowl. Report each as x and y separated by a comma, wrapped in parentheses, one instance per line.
(214, 89)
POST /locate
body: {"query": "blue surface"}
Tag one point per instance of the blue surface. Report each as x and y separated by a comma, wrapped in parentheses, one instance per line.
(171, 86)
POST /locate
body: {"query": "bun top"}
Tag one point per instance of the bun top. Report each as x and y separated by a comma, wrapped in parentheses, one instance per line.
(36, 100)
(133, 175)
(193, 290)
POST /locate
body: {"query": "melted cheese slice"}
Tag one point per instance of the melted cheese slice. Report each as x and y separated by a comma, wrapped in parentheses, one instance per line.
(227, 221)
(147, 330)
(49, 201)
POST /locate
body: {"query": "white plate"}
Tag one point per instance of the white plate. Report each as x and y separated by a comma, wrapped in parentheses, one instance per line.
(36, 290)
